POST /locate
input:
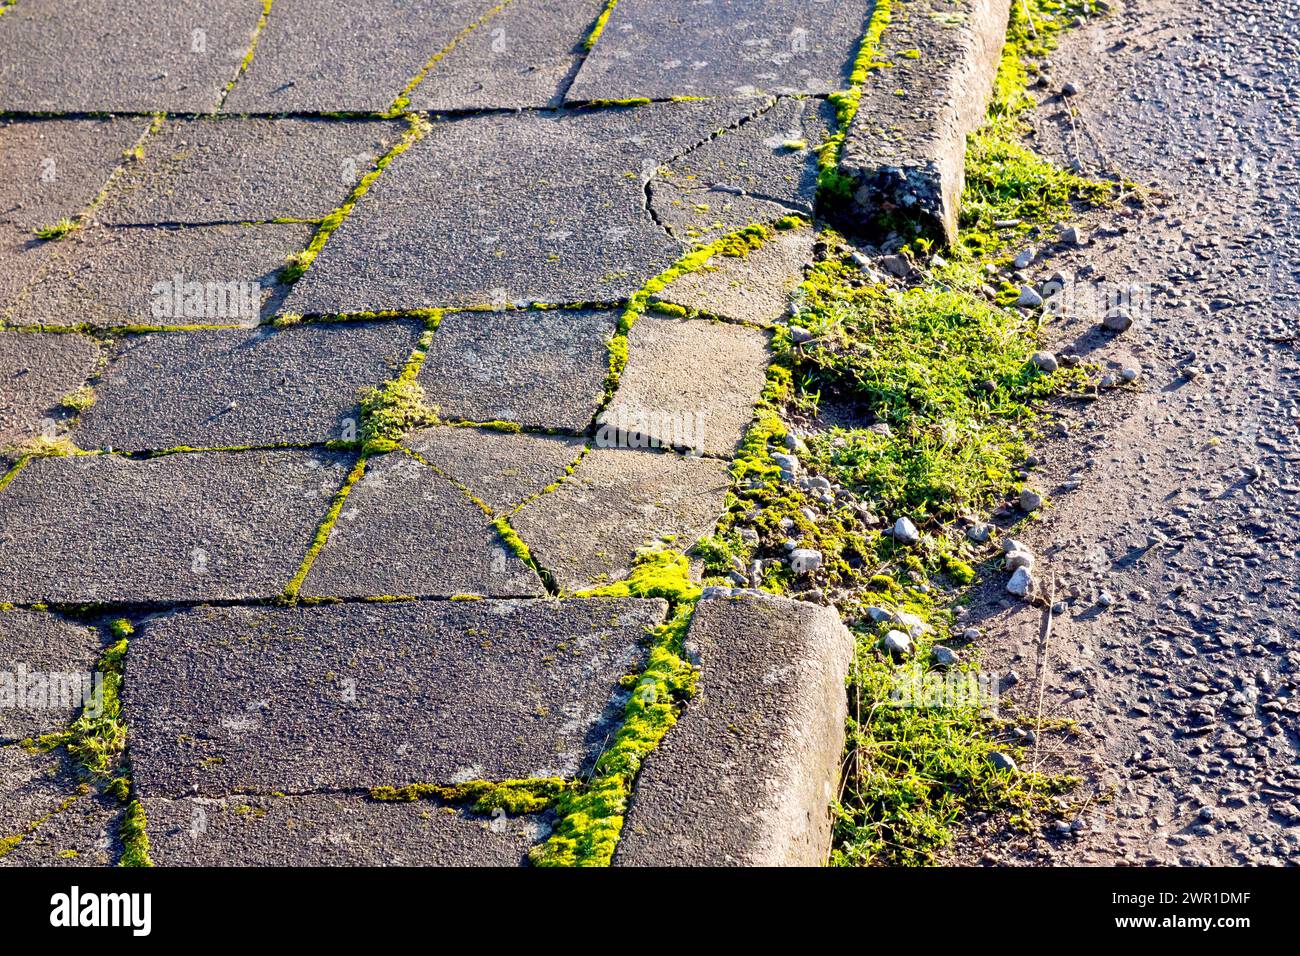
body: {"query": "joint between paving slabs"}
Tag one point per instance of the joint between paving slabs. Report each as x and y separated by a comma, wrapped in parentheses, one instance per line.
(403, 99)
(248, 57)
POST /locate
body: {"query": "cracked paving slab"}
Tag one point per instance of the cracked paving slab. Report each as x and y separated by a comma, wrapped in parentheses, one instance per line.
(756, 287)
(539, 368)
(246, 170)
(106, 56)
(348, 696)
(36, 373)
(586, 532)
(218, 388)
(56, 167)
(23, 256)
(332, 830)
(57, 658)
(529, 207)
(689, 384)
(218, 275)
(356, 58)
(521, 58)
(181, 527)
(499, 468)
(664, 48)
(406, 530)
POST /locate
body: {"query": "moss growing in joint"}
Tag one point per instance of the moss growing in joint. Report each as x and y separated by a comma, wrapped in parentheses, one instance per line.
(403, 99)
(326, 526)
(56, 230)
(78, 401)
(599, 26)
(511, 539)
(135, 837)
(481, 796)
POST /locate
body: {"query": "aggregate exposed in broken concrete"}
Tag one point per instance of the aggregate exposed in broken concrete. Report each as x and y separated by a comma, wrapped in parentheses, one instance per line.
(754, 288)
(246, 170)
(905, 149)
(357, 58)
(689, 383)
(348, 696)
(522, 57)
(182, 527)
(746, 775)
(36, 373)
(58, 658)
(111, 277)
(658, 50)
(54, 168)
(405, 529)
(498, 468)
(218, 388)
(586, 532)
(540, 368)
(332, 830)
(107, 56)
(533, 207)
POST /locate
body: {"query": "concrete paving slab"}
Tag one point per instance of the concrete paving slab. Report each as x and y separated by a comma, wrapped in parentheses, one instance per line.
(349, 696)
(56, 167)
(754, 288)
(22, 255)
(499, 468)
(32, 786)
(84, 833)
(522, 57)
(531, 207)
(908, 152)
(207, 389)
(587, 531)
(332, 830)
(539, 368)
(700, 216)
(754, 760)
(47, 670)
(689, 384)
(358, 58)
(185, 527)
(660, 49)
(36, 373)
(247, 170)
(219, 275)
(104, 56)
(406, 530)
(771, 156)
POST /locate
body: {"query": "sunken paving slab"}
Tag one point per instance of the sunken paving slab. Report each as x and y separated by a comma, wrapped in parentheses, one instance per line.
(688, 384)
(540, 368)
(755, 288)
(528, 207)
(247, 170)
(218, 275)
(659, 49)
(356, 58)
(46, 672)
(906, 148)
(769, 156)
(36, 373)
(350, 696)
(332, 830)
(406, 530)
(500, 469)
(586, 532)
(754, 759)
(56, 167)
(522, 57)
(182, 527)
(218, 388)
(106, 56)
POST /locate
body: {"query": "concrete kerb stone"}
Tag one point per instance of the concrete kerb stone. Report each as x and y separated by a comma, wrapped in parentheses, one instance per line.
(747, 774)
(905, 152)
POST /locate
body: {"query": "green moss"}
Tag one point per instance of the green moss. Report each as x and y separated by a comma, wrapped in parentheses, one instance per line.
(56, 230)
(78, 401)
(326, 526)
(135, 838)
(598, 27)
(97, 738)
(252, 48)
(403, 99)
(511, 539)
(480, 796)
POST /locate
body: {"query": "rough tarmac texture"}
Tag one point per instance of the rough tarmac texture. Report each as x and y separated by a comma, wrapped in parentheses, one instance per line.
(58, 659)
(746, 775)
(181, 527)
(37, 372)
(210, 389)
(332, 830)
(353, 696)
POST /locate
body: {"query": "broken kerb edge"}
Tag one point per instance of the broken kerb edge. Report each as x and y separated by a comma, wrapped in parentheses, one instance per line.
(904, 154)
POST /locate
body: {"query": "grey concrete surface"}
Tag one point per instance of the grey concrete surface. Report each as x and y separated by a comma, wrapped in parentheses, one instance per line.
(37, 372)
(351, 696)
(47, 673)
